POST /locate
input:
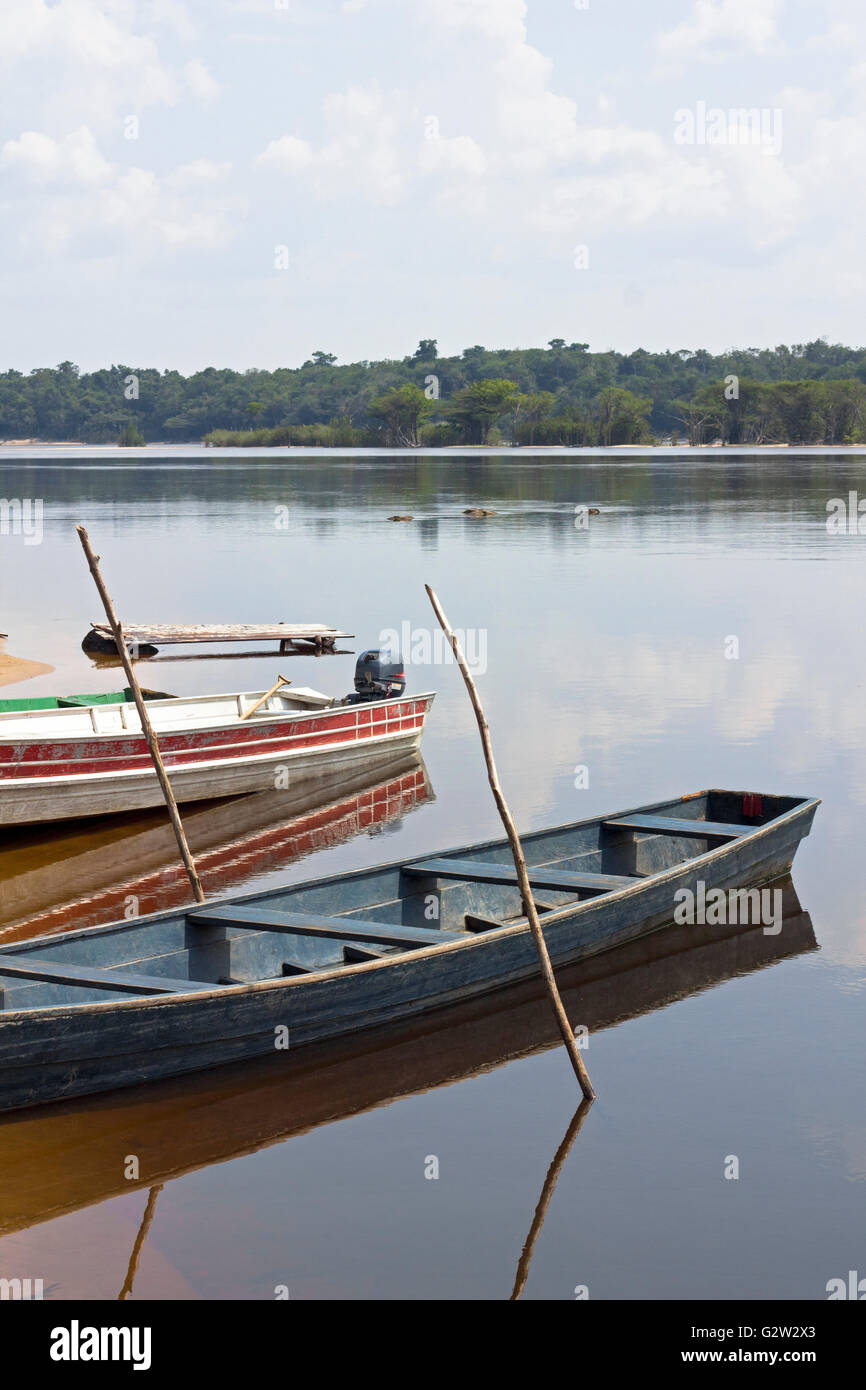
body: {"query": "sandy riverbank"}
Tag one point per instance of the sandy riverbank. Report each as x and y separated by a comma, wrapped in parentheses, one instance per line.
(18, 668)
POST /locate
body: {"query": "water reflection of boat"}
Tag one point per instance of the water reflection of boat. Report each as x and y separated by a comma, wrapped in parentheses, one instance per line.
(69, 1155)
(87, 873)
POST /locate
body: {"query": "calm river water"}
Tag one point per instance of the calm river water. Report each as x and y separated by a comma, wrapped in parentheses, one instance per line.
(611, 677)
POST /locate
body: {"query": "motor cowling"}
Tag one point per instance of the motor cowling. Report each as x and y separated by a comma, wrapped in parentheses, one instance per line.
(379, 675)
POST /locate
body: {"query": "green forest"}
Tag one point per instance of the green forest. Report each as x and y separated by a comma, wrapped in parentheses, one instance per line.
(808, 393)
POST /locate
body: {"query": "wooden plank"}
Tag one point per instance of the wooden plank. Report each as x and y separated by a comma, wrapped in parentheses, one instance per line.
(167, 633)
(356, 955)
(670, 825)
(25, 967)
(477, 871)
(310, 924)
(476, 922)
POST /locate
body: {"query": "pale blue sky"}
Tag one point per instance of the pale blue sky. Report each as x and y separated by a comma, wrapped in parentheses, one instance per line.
(431, 167)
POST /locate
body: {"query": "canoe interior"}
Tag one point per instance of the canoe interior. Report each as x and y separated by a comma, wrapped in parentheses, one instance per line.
(54, 702)
(391, 909)
(69, 717)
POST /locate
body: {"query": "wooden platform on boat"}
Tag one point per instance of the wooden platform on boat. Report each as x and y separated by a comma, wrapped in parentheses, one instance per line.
(305, 635)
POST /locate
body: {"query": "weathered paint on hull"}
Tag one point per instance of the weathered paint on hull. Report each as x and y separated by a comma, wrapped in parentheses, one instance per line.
(61, 1051)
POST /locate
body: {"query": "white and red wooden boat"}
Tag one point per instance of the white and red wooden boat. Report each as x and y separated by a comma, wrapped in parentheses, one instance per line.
(63, 763)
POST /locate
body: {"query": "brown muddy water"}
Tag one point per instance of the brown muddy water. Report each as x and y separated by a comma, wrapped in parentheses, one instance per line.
(706, 629)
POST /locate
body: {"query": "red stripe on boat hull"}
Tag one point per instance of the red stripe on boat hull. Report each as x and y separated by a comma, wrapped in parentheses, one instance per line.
(113, 753)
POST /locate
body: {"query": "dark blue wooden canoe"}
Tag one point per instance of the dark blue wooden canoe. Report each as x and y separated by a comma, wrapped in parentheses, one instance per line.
(178, 991)
(60, 1158)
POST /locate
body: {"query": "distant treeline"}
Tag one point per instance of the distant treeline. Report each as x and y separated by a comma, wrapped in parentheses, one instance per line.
(562, 394)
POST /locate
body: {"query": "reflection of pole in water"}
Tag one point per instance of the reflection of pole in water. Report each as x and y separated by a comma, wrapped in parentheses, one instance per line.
(547, 1190)
(143, 1229)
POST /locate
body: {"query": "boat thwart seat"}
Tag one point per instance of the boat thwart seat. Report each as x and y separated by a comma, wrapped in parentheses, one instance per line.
(479, 871)
(671, 825)
(27, 967)
(357, 955)
(310, 924)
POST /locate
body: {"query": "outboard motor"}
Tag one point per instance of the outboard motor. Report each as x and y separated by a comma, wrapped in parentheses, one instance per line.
(379, 675)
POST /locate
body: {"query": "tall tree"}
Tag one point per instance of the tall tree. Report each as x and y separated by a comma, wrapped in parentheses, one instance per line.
(623, 416)
(402, 410)
(535, 406)
(477, 407)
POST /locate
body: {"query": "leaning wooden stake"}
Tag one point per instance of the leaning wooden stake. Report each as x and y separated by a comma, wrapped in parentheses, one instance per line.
(519, 861)
(146, 726)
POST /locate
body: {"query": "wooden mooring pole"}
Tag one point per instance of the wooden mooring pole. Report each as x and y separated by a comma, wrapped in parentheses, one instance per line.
(519, 862)
(147, 728)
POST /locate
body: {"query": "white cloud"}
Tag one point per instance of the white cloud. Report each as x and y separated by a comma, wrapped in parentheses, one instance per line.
(802, 101)
(84, 66)
(199, 80)
(770, 191)
(544, 144)
(716, 26)
(534, 126)
(84, 203)
(201, 171)
(499, 20)
(582, 177)
(457, 154)
(364, 151)
(94, 58)
(845, 31)
(89, 62)
(589, 204)
(172, 14)
(576, 177)
(75, 159)
(537, 126)
(287, 155)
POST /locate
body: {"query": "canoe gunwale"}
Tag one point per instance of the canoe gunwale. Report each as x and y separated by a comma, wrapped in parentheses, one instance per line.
(464, 940)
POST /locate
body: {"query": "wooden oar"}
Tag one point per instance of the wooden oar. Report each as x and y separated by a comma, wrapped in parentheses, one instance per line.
(281, 681)
(147, 728)
(517, 854)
